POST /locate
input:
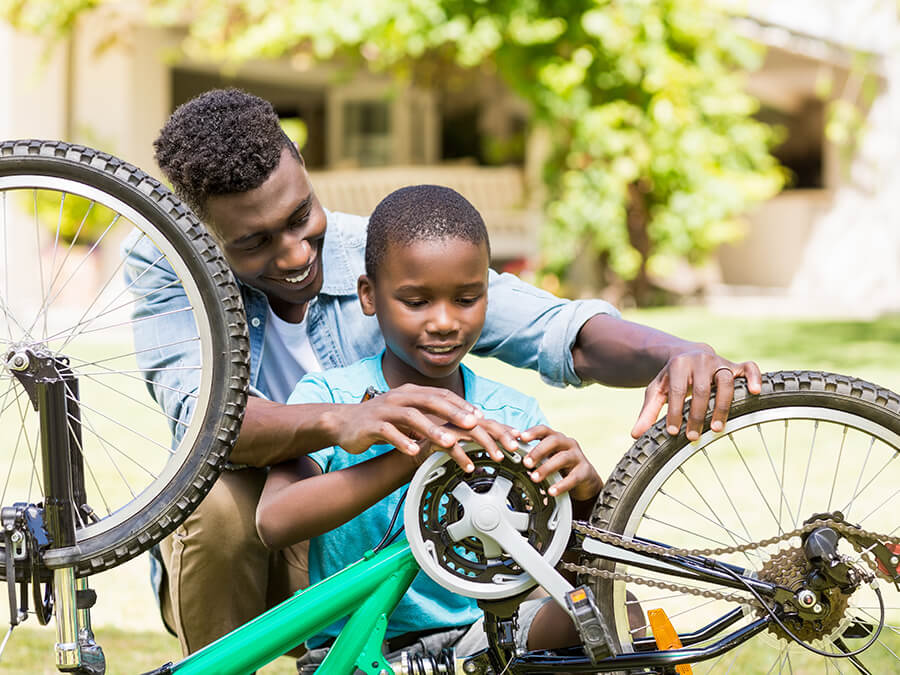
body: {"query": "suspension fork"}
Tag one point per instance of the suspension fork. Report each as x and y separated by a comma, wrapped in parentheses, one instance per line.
(54, 392)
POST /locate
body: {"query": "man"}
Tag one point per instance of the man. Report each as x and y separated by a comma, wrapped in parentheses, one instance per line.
(298, 266)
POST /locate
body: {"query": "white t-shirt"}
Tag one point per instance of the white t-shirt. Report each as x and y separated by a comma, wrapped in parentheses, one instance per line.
(287, 357)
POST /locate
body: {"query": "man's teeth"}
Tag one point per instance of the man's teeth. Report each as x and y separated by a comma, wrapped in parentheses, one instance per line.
(300, 277)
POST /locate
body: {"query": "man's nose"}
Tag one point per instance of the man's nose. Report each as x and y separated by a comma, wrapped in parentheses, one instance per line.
(294, 251)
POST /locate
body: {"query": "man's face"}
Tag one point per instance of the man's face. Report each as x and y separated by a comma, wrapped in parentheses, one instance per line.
(430, 298)
(272, 236)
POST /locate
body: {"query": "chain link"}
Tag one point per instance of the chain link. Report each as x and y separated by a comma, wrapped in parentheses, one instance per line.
(640, 547)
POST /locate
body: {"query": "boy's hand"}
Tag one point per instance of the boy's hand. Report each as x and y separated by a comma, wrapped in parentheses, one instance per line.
(558, 452)
(403, 416)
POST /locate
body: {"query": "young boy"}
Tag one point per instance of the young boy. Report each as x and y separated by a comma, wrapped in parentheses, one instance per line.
(426, 281)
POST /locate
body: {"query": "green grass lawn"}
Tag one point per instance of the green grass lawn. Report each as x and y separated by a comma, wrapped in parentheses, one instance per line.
(126, 617)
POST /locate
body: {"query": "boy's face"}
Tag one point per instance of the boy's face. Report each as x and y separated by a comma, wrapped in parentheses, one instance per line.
(272, 236)
(430, 298)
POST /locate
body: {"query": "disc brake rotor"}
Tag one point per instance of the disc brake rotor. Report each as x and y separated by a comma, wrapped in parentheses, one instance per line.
(472, 564)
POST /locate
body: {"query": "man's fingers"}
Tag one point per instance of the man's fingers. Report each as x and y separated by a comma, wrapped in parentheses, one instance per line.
(654, 399)
(440, 402)
(393, 436)
(724, 381)
(750, 370)
(679, 382)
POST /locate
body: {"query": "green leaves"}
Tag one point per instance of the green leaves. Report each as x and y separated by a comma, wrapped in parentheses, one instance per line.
(656, 153)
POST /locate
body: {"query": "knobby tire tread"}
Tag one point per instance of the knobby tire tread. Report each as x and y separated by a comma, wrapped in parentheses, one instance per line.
(224, 306)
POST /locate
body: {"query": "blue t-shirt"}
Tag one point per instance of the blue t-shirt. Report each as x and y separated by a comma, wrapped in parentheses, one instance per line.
(426, 605)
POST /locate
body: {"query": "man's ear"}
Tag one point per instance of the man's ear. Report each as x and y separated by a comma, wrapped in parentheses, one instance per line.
(365, 288)
(299, 155)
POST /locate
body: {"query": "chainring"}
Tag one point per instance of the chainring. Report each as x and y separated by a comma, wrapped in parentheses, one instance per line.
(474, 566)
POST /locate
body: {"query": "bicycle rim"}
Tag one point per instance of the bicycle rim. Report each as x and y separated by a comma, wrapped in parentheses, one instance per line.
(68, 215)
(798, 450)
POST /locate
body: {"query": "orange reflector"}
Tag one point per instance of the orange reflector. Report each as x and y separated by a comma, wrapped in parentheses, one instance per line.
(895, 549)
(666, 637)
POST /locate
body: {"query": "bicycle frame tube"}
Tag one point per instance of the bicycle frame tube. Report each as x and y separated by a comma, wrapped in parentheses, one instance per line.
(367, 590)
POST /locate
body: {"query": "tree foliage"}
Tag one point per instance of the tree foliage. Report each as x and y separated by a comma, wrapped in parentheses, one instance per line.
(655, 151)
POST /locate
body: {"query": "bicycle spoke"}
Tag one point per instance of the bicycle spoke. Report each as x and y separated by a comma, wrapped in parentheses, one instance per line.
(783, 500)
(156, 410)
(80, 449)
(86, 424)
(812, 444)
(131, 376)
(726, 493)
(139, 351)
(127, 428)
(755, 483)
(37, 236)
(837, 469)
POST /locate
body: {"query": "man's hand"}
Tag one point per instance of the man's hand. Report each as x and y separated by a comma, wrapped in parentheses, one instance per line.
(405, 418)
(558, 452)
(692, 373)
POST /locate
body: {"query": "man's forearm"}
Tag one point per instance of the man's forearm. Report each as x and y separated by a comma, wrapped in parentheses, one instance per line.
(620, 353)
(275, 432)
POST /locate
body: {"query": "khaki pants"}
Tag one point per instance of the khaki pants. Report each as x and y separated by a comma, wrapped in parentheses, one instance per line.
(219, 574)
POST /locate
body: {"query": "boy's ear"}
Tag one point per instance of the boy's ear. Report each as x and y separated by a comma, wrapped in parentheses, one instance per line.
(365, 288)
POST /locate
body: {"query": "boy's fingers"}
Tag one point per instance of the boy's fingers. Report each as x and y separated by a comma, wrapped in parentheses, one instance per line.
(557, 462)
(458, 455)
(480, 435)
(546, 447)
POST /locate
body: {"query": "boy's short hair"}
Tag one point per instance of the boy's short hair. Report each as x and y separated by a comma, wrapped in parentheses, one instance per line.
(419, 213)
(223, 141)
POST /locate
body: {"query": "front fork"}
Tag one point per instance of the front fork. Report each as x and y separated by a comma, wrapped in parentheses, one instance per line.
(54, 392)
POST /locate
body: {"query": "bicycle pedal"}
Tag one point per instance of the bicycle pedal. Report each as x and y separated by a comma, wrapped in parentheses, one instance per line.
(590, 625)
(666, 636)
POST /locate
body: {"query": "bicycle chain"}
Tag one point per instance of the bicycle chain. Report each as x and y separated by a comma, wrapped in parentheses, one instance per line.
(620, 542)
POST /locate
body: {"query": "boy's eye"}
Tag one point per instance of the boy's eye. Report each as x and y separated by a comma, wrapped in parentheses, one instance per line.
(468, 300)
(413, 302)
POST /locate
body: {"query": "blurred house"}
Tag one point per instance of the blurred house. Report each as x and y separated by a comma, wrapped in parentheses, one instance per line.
(828, 242)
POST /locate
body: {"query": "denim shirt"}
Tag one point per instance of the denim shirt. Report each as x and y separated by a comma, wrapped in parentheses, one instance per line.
(524, 326)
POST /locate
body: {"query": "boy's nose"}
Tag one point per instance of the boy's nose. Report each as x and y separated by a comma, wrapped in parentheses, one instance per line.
(442, 320)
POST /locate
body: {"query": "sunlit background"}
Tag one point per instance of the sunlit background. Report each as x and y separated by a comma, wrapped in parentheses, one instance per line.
(740, 155)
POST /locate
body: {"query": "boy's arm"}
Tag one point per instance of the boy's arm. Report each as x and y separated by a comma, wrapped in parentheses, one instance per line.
(299, 502)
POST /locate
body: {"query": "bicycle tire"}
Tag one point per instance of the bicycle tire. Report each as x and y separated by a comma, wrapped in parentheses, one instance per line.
(651, 493)
(33, 171)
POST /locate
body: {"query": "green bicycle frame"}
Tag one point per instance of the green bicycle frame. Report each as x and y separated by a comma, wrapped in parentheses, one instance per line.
(366, 591)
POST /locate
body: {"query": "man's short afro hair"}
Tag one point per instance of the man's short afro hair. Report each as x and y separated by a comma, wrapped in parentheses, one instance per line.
(419, 213)
(221, 142)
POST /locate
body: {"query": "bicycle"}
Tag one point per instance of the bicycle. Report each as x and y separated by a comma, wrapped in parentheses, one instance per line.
(807, 465)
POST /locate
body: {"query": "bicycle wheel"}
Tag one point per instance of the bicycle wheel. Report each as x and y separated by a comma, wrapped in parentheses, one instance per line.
(810, 443)
(69, 217)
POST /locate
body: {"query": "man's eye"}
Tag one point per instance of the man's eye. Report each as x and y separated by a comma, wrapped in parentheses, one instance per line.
(254, 244)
